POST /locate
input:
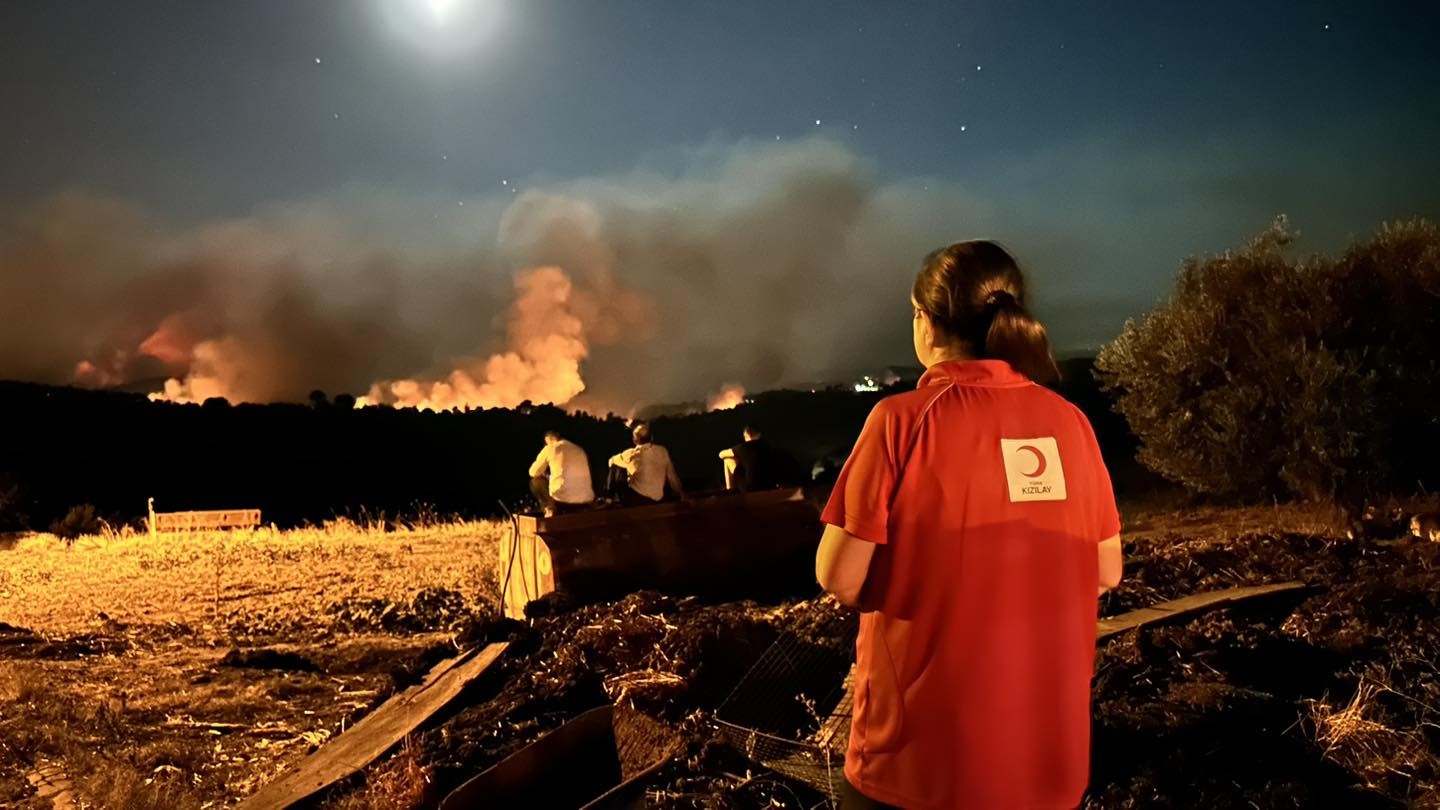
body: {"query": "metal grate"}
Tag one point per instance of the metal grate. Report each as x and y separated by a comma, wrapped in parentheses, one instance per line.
(791, 711)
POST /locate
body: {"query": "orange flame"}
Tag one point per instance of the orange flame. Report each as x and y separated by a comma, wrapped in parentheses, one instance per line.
(730, 395)
(542, 365)
(218, 368)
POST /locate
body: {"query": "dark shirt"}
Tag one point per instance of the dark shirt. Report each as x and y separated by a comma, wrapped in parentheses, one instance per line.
(761, 465)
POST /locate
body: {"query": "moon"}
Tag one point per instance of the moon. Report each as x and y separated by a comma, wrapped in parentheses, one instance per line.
(1039, 461)
(441, 28)
(442, 9)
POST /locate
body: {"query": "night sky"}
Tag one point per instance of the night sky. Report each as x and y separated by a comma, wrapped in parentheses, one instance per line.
(176, 146)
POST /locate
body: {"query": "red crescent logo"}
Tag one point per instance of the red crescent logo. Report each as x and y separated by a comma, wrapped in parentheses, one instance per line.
(1039, 461)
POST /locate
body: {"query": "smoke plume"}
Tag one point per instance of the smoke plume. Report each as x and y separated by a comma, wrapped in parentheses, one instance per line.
(758, 265)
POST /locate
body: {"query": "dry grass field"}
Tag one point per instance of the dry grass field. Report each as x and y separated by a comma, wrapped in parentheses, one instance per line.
(186, 670)
(183, 670)
(217, 583)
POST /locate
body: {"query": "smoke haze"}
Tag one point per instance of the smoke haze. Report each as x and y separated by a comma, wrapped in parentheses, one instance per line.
(758, 264)
(749, 264)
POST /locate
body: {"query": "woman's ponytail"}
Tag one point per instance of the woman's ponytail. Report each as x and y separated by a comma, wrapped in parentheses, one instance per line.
(975, 292)
(1020, 340)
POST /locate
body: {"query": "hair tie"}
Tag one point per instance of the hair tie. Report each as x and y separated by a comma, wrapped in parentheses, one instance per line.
(998, 299)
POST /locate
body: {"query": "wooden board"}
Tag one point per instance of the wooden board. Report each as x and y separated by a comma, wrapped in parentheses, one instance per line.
(376, 733)
(212, 519)
(1187, 605)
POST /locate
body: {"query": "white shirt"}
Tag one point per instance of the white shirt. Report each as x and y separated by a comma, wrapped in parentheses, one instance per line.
(648, 466)
(569, 469)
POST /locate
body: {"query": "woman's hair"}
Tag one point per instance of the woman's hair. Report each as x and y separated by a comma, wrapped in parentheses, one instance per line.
(975, 293)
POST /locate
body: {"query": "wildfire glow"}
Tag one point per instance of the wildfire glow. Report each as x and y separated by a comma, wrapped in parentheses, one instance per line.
(546, 341)
(730, 395)
(217, 369)
(172, 343)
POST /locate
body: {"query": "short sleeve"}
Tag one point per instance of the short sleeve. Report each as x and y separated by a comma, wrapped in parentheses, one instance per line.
(860, 501)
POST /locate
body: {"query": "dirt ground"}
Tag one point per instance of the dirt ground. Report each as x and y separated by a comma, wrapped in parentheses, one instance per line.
(1328, 698)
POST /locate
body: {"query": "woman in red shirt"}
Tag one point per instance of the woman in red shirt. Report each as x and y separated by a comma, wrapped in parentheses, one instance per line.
(973, 525)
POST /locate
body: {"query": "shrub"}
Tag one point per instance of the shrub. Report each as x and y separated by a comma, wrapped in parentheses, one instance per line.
(1268, 376)
(80, 520)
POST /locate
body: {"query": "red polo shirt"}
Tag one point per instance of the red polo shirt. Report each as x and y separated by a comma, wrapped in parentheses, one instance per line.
(987, 496)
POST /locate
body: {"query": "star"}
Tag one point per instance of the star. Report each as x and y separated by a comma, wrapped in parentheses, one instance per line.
(337, 116)
(777, 137)
(817, 122)
(504, 182)
(444, 157)
(461, 203)
(977, 67)
(1327, 26)
(317, 59)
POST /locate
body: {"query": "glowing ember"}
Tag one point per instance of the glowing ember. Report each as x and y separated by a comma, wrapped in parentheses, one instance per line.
(731, 395)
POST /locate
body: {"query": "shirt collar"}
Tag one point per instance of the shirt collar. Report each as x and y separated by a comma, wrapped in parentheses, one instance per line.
(985, 373)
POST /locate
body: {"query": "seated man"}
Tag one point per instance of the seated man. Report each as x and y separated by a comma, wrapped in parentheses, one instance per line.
(760, 465)
(560, 476)
(639, 475)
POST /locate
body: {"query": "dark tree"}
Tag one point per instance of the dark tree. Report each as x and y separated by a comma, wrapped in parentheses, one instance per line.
(1270, 376)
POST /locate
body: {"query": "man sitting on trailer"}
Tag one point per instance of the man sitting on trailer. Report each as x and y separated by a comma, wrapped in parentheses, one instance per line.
(560, 476)
(758, 465)
(638, 476)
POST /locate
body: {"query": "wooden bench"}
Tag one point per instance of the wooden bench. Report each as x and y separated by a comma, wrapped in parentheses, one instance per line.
(209, 520)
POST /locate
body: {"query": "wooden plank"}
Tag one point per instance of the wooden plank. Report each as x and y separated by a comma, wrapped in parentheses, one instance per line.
(376, 733)
(1188, 605)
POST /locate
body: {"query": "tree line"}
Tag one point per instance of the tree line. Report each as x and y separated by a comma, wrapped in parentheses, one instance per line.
(67, 447)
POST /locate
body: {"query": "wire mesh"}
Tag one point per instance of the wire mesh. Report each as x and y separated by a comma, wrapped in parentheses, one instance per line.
(791, 711)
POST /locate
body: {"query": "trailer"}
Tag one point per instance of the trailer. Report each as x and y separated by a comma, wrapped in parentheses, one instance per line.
(730, 546)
